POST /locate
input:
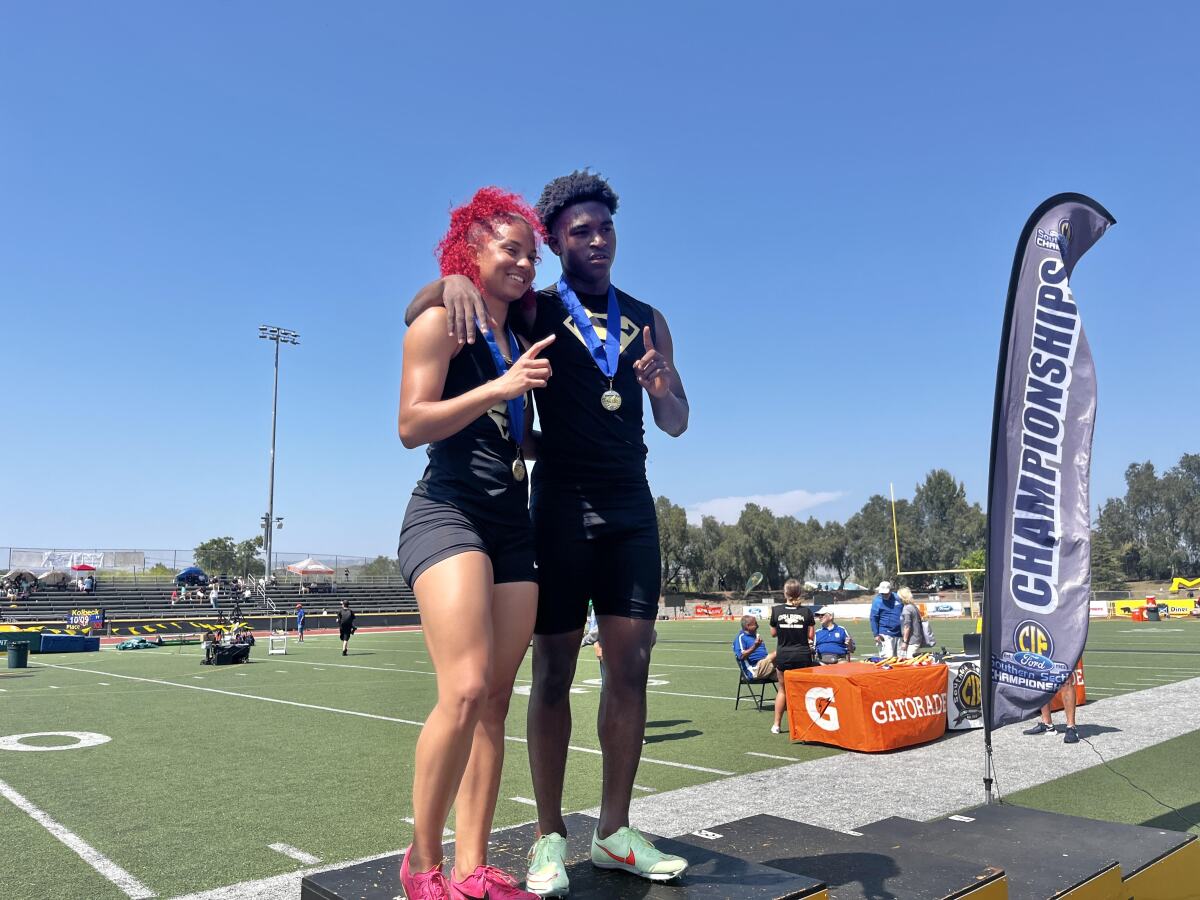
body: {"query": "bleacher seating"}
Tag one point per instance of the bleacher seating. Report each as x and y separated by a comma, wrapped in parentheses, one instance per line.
(147, 598)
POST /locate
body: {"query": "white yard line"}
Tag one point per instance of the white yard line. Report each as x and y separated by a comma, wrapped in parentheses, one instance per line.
(525, 801)
(772, 756)
(129, 885)
(363, 715)
(446, 832)
(299, 855)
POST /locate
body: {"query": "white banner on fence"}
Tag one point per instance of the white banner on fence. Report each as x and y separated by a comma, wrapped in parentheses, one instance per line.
(38, 560)
(847, 610)
(944, 609)
(1098, 609)
(759, 612)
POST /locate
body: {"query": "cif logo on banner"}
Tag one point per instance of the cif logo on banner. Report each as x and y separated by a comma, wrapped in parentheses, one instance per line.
(1055, 240)
(967, 693)
(1036, 517)
(818, 703)
(1034, 647)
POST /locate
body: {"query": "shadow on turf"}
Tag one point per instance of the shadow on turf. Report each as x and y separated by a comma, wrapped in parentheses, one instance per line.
(668, 723)
(1087, 730)
(1173, 820)
(673, 736)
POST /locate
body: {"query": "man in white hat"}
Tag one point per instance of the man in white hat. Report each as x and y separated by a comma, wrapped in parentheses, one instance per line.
(885, 618)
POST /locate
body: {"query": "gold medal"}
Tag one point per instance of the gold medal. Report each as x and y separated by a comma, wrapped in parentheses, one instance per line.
(518, 469)
(610, 400)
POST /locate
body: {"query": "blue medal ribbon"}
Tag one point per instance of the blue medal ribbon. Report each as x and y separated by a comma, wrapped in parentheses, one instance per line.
(516, 406)
(607, 353)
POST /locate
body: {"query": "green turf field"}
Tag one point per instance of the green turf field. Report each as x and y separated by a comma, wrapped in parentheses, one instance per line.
(207, 767)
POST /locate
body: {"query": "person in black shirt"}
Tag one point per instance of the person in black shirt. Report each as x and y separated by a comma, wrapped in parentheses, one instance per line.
(593, 513)
(466, 546)
(793, 626)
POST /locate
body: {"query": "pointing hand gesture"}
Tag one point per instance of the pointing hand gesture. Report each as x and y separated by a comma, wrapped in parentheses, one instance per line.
(528, 372)
(652, 370)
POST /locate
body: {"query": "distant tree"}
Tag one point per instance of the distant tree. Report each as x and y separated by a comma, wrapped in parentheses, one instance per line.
(221, 555)
(1106, 564)
(381, 567)
(672, 538)
(834, 550)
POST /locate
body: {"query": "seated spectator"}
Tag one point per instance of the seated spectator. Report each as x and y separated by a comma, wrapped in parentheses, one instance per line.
(750, 651)
(833, 643)
(89, 584)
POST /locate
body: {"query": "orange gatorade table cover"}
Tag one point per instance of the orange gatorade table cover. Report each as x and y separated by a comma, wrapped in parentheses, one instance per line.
(859, 706)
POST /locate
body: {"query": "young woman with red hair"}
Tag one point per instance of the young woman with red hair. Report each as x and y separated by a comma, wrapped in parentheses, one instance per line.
(466, 546)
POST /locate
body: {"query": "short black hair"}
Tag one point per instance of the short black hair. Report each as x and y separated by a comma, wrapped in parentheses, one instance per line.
(578, 187)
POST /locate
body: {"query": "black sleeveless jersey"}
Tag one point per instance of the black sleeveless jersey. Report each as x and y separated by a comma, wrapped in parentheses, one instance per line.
(583, 445)
(472, 470)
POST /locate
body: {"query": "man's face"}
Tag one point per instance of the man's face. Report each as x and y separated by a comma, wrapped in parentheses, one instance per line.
(827, 620)
(752, 627)
(585, 240)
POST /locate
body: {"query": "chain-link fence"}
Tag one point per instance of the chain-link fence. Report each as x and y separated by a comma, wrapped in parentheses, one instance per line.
(163, 564)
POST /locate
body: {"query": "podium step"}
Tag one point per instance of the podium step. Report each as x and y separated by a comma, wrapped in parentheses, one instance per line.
(712, 874)
(1156, 864)
(854, 868)
(1038, 865)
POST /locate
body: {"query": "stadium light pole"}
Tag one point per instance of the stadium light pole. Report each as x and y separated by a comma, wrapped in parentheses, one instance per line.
(279, 336)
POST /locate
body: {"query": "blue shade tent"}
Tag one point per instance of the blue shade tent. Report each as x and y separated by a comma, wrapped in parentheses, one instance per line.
(191, 575)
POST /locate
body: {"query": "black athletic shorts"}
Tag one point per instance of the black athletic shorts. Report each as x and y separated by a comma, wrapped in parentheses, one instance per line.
(609, 556)
(434, 530)
(785, 661)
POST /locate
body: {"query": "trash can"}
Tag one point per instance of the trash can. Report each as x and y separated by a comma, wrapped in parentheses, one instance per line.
(1151, 614)
(1138, 614)
(18, 654)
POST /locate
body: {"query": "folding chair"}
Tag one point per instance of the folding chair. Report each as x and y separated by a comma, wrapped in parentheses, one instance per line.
(746, 690)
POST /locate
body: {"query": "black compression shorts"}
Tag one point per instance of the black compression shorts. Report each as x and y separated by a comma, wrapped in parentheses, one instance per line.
(610, 557)
(434, 531)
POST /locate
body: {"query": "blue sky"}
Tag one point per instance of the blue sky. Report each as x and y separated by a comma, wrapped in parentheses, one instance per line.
(822, 200)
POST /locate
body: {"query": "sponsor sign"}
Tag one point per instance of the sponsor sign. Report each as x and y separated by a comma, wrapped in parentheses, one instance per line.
(1184, 584)
(1098, 609)
(942, 609)
(1181, 607)
(964, 696)
(759, 612)
(705, 611)
(861, 707)
(1039, 529)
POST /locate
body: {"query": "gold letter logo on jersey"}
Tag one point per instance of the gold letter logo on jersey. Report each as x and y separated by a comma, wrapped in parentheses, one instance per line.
(629, 331)
(499, 415)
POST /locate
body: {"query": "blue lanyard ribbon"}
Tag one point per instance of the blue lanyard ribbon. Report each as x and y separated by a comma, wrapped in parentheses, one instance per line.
(516, 406)
(608, 353)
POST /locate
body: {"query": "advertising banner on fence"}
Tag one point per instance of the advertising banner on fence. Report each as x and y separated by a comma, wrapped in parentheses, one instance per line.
(1181, 607)
(1098, 609)
(942, 609)
(1039, 526)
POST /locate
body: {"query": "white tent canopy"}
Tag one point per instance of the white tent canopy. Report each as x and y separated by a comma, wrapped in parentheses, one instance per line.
(310, 566)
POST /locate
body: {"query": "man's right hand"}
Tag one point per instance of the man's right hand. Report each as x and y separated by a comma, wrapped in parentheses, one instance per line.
(465, 308)
(879, 638)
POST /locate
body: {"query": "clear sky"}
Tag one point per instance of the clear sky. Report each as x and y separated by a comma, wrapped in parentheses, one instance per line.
(823, 200)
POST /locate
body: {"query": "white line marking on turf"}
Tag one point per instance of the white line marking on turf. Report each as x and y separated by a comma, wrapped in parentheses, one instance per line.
(299, 855)
(648, 790)
(129, 885)
(772, 756)
(525, 800)
(362, 715)
(53, 687)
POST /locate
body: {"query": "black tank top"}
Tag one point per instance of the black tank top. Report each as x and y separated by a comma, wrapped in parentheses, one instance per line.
(472, 470)
(583, 445)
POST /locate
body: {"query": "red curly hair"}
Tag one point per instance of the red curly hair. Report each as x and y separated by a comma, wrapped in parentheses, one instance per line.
(476, 219)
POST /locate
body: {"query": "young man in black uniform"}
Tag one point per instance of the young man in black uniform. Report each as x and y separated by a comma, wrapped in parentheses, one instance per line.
(593, 514)
(793, 626)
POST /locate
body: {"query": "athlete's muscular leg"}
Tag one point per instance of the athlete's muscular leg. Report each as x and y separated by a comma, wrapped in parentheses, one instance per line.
(455, 599)
(549, 723)
(622, 718)
(513, 610)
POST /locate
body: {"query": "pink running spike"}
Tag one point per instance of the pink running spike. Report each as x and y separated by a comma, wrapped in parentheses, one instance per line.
(488, 883)
(431, 885)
